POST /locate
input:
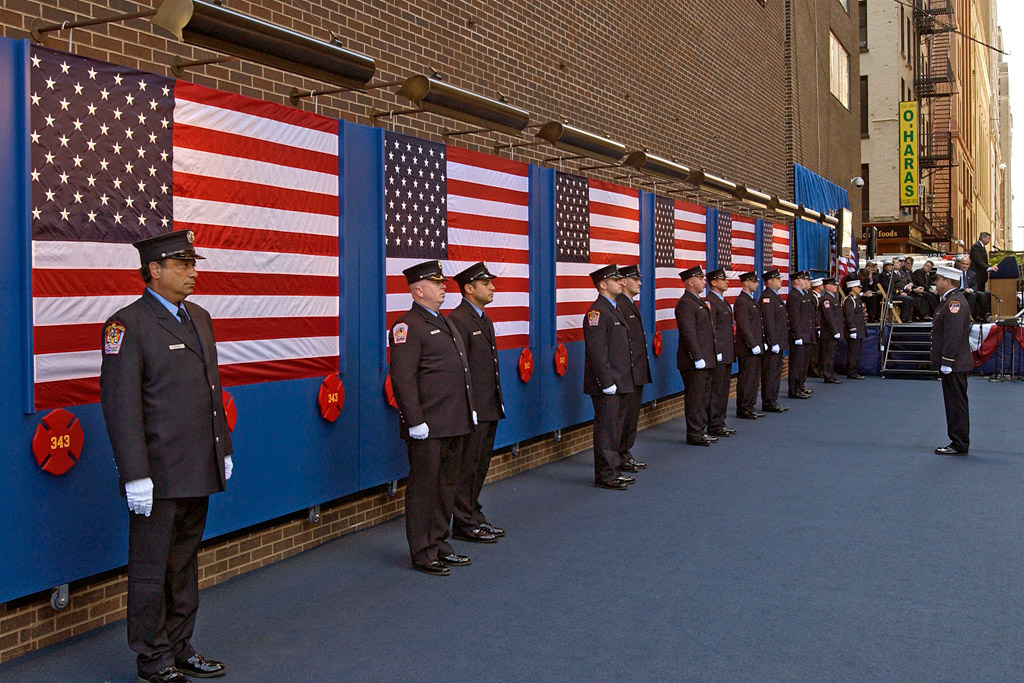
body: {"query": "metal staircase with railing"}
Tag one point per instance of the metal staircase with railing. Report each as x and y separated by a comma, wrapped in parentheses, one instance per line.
(908, 350)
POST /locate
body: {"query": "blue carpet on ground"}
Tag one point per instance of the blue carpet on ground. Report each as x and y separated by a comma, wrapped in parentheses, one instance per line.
(824, 544)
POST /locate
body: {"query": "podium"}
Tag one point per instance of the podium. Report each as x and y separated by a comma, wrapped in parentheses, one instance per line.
(1003, 284)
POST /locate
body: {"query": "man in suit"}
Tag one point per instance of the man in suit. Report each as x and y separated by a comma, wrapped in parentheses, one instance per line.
(607, 375)
(632, 281)
(749, 347)
(856, 328)
(725, 353)
(831, 330)
(164, 409)
(695, 357)
(803, 316)
(979, 260)
(869, 282)
(477, 331)
(776, 340)
(431, 380)
(951, 356)
(979, 302)
(897, 295)
(923, 295)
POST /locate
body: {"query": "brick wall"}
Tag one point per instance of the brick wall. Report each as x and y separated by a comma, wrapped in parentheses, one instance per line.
(670, 76)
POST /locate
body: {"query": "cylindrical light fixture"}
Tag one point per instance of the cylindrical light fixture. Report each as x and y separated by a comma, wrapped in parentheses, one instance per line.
(712, 183)
(217, 28)
(570, 139)
(785, 207)
(659, 167)
(438, 97)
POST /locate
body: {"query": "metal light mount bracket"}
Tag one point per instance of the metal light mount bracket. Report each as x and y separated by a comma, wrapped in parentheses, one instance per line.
(437, 97)
(39, 28)
(576, 141)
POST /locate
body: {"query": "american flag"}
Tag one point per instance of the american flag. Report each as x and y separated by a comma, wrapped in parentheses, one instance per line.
(595, 223)
(736, 239)
(459, 207)
(119, 155)
(776, 250)
(841, 266)
(679, 243)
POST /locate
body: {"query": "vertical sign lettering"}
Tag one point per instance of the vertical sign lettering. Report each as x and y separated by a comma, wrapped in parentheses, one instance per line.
(909, 177)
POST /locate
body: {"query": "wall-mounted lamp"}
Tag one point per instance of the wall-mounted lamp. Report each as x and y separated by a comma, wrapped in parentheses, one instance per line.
(712, 183)
(659, 167)
(786, 208)
(571, 139)
(217, 28)
(438, 97)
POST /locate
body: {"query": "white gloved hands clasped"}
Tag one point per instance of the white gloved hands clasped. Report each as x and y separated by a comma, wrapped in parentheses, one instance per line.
(700, 364)
(139, 495)
(419, 432)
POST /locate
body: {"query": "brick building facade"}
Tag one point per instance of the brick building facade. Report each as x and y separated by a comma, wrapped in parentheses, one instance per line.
(738, 87)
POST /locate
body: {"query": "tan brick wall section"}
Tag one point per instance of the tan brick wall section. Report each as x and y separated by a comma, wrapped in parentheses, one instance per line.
(30, 623)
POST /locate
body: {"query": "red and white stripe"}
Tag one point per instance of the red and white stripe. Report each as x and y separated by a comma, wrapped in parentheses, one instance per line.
(614, 238)
(258, 183)
(488, 220)
(844, 266)
(780, 251)
(691, 249)
(743, 243)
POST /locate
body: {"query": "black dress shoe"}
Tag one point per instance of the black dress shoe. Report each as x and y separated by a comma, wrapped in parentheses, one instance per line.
(627, 467)
(614, 485)
(855, 376)
(949, 450)
(815, 375)
(433, 567)
(833, 380)
(774, 408)
(722, 431)
(806, 390)
(491, 529)
(799, 394)
(625, 480)
(639, 464)
(746, 415)
(704, 440)
(201, 667)
(477, 535)
(454, 560)
(166, 675)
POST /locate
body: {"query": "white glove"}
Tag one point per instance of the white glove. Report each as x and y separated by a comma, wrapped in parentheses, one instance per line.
(700, 364)
(853, 335)
(228, 467)
(475, 423)
(798, 342)
(756, 350)
(945, 369)
(610, 390)
(775, 348)
(420, 431)
(718, 358)
(139, 494)
(836, 335)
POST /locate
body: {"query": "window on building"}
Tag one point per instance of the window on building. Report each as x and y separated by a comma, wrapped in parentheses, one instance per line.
(862, 18)
(865, 194)
(903, 34)
(839, 71)
(864, 131)
(903, 90)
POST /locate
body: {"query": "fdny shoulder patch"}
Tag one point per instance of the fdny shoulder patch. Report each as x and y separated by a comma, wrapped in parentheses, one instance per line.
(593, 317)
(954, 306)
(113, 335)
(400, 333)
(826, 304)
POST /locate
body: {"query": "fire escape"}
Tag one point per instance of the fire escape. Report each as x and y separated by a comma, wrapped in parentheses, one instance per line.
(935, 83)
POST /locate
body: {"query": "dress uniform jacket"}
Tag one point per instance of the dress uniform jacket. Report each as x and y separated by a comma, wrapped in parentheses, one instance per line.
(151, 363)
(749, 330)
(696, 332)
(637, 340)
(831, 315)
(477, 334)
(721, 314)
(979, 263)
(775, 319)
(803, 317)
(853, 317)
(430, 374)
(951, 334)
(607, 362)
(607, 349)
